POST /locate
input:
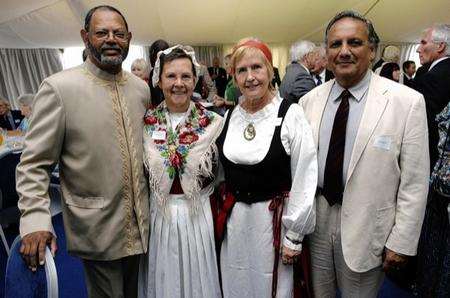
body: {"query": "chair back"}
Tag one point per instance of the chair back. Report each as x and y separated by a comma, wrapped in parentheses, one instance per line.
(20, 281)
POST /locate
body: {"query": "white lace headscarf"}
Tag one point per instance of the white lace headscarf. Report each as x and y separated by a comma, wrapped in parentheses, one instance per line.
(187, 49)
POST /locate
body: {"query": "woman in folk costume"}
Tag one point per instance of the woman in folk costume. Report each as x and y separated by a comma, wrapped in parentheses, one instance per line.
(180, 156)
(269, 159)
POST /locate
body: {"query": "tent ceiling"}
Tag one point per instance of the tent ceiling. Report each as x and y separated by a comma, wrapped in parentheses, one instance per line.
(56, 23)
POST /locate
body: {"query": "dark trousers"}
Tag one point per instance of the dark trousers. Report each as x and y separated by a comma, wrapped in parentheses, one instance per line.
(117, 278)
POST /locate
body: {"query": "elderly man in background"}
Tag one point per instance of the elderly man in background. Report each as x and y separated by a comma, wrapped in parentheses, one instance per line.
(89, 119)
(371, 135)
(298, 80)
(434, 84)
(219, 76)
(318, 72)
(9, 119)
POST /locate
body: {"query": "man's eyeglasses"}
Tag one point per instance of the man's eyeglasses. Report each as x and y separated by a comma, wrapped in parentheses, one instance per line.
(118, 35)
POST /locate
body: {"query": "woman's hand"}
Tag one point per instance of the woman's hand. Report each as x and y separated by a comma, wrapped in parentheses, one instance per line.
(289, 256)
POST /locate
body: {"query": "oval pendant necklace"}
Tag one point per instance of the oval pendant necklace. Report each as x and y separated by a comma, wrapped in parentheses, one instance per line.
(249, 132)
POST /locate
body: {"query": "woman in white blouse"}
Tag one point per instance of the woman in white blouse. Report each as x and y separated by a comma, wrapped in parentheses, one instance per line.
(269, 159)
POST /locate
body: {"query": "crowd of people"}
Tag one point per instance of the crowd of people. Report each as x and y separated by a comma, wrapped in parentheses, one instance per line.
(320, 186)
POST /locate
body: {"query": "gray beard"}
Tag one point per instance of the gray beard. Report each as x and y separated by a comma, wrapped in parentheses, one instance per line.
(106, 60)
(111, 61)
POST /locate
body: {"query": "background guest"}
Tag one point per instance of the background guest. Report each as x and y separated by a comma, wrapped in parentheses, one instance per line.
(390, 54)
(232, 92)
(409, 69)
(433, 274)
(205, 88)
(9, 119)
(434, 49)
(318, 71)
(298, 80)
(139, 68)
(219, 76)
(155, 47)
(25, 102)
(276, 81)
(390, 71)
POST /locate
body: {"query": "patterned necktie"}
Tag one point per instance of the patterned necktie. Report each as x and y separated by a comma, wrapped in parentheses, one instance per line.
(319, 80)
(333, 187)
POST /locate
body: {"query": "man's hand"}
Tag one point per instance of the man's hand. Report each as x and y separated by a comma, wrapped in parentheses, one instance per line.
(393, 261)
(33, 248)
(289, 256)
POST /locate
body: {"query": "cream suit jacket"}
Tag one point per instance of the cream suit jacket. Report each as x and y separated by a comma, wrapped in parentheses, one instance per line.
(387, 182)
(91, 123)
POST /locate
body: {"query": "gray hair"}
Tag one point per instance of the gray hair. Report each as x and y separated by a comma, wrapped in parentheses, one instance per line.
(25, 99)
(142, 63)
(300, 49)
(391, 54)
(441, 33)
(374, 40)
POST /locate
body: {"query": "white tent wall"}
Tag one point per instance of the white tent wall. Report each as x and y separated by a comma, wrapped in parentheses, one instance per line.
(56, 24)
(23, 70)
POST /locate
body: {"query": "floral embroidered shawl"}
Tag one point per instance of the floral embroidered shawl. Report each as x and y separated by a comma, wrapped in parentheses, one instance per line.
(441, 173)
(190, 150)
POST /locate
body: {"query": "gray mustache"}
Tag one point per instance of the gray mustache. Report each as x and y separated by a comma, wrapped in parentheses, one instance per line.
(105, 48)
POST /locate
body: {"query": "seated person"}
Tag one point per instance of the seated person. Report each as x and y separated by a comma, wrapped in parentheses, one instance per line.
(9, 119)
(25, 102)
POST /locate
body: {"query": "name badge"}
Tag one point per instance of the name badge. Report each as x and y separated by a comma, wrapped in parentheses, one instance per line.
(159, 135)
(383, 142)
(278, 121)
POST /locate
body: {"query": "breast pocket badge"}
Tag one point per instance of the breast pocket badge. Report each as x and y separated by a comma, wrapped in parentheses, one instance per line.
(383, 142)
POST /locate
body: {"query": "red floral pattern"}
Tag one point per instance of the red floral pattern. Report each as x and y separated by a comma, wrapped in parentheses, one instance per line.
(174, 148)
(188, 137)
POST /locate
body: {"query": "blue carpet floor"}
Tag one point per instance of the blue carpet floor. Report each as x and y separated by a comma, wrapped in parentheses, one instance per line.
(70, 272)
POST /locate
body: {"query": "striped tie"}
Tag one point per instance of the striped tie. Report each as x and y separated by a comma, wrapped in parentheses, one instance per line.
(333, 187)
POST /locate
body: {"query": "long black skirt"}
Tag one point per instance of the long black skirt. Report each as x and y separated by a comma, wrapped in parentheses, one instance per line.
(433, 272)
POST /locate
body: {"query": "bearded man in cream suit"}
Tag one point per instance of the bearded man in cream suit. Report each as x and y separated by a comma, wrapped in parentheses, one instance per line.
(373, 159)
(89, 119)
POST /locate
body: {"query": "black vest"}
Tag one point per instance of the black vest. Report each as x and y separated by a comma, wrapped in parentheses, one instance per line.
(264, 180)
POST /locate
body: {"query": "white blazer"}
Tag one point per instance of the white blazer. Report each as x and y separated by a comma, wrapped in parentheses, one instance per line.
(387, 182)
